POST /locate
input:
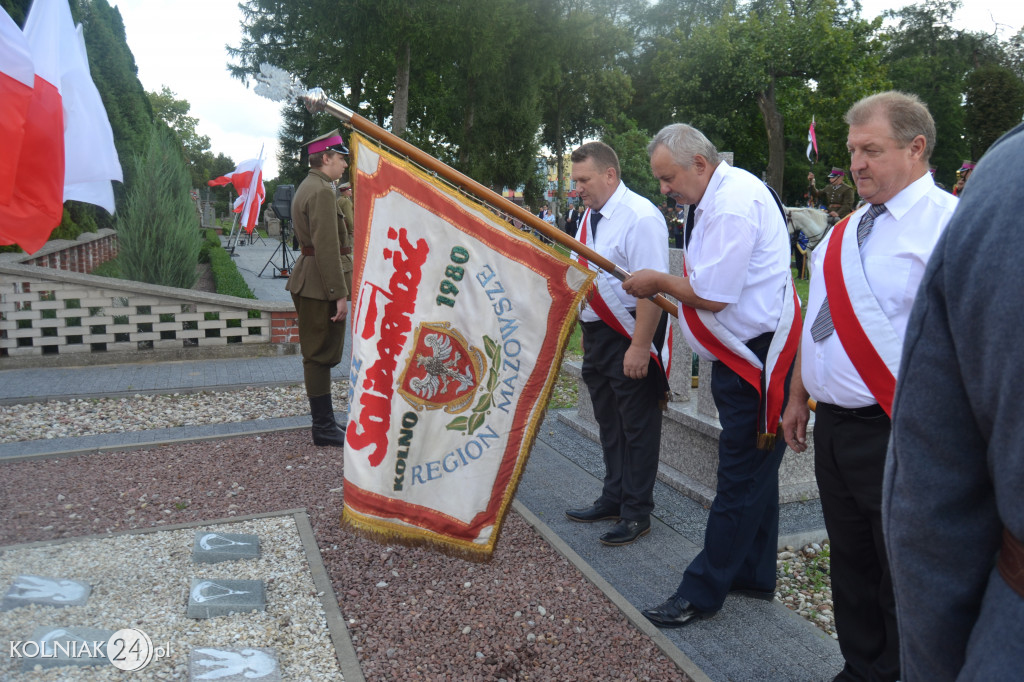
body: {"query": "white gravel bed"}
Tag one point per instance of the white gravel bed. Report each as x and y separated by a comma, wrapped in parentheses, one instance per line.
(805, 586)
(142, 581)
(92, 416)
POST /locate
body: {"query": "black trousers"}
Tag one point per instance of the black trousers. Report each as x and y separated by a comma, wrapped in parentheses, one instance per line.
(629, 418)
(742, 536)
(849, 462)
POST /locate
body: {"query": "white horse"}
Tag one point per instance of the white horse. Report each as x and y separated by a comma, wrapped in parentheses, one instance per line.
(813, 222)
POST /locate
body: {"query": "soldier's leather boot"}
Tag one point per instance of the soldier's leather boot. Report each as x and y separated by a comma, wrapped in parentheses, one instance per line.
(326, 430)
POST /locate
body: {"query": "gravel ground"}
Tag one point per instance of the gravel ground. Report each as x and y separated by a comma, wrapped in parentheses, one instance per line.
(412, 613)
(143, 581)
(803, 586)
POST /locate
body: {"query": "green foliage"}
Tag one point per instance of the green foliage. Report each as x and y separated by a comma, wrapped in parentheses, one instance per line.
(195, 147)
(995, 103)
(742, 77)
(630, 144)
(112, 268)
(158, 235)
(226, 278)
(925, 55)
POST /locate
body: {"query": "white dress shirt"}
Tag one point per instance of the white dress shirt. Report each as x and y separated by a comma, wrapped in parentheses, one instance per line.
(633, 235)
(739, 252)
(894, 256)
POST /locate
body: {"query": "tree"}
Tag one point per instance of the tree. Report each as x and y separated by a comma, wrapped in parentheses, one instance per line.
(766, 57)
(158, 235)
(995, 103)
(587, 83)
(471, 103)
(196, 148)
(925, 55)
(630, 145)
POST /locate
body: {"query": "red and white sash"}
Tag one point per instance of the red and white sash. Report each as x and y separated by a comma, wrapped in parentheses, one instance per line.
(710, 338)
(867, 334)
(607, 306)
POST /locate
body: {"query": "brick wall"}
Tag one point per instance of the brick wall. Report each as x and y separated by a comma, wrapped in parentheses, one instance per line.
(80, 255)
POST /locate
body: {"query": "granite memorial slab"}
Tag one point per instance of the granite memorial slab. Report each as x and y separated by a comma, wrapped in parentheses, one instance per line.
(212, 548)
(212, 598)
(36, 589)
(234, 665)
(52, 647)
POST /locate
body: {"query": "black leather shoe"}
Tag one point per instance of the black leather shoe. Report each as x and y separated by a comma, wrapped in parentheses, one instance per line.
(675, 613)
(626, 531)
(763, 595)
(594, 513)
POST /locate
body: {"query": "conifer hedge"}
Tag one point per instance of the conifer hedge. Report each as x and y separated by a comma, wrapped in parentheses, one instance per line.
(158, 230)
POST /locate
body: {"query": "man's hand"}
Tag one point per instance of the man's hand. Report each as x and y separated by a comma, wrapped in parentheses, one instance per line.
(643, 283)
(833, 214)
(794, 424)
(810, 177)
(342, 310)
(635, 362)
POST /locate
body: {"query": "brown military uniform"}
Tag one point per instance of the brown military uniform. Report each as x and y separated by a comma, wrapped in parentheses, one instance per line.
(838, 197)
(318, 278)
(346, 219)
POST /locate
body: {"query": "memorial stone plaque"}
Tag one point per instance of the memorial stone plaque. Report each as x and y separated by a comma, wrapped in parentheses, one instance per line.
(60, 646)
(234, 665)
(211, 548)
(35, 589)
(212, 598)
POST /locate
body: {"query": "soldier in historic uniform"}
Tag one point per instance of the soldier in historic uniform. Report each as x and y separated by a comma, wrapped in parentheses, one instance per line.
(346, 218)
(318, 284)
(836, 195)
(961, 177)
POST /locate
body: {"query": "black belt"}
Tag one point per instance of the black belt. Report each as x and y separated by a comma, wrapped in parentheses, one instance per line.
(760, 342)
(869, 412)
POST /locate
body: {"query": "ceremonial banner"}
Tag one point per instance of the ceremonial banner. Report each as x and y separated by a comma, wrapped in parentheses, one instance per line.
(459, 322)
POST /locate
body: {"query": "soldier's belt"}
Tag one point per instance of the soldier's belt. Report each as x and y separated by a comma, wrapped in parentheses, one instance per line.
(310, 251)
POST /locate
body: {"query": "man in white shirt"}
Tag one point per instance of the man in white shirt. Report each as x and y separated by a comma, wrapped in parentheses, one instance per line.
(623, 342)
(737, 309)
(868, 268)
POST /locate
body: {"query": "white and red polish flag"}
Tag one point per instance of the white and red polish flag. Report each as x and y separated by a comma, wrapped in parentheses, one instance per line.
(36, 202)
(90, 157)
(459, 322)
(16, 78)
(247, 179)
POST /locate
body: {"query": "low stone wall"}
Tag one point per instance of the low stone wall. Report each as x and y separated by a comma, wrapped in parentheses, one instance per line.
(54, 317)
(78, 255)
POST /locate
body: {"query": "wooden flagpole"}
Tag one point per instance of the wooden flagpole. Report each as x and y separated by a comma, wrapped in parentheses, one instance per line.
(317, 101)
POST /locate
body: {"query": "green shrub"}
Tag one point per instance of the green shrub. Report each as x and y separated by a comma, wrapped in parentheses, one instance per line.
(226, 277)
(158, 239)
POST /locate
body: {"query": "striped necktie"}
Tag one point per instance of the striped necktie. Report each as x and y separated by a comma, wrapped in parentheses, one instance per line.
(823, 327)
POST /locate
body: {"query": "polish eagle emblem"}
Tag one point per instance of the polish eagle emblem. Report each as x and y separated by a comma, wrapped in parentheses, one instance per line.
(443, 370)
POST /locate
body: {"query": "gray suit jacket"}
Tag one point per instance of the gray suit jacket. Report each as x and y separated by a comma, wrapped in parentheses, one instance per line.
(955, 473)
